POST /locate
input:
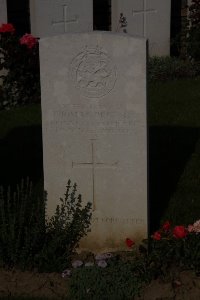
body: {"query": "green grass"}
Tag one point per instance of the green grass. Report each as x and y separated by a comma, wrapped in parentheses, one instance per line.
(184, 205)
(174, 149)
(19, 117)
(175, 103)
(21, 145)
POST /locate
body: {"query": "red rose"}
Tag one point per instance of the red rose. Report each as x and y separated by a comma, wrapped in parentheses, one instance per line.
(156, 236)
(28, 40)
(129, 242)
(7, 28)
(179, 232)
(166, 226)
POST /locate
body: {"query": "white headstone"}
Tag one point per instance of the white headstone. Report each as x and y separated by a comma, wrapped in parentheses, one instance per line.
(146, 18)
(3, 12)
(94, 130)
(53, 17)
(3, 20)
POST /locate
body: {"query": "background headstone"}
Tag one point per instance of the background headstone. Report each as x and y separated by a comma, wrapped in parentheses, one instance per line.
(3, 20)
(53, 17)
(146, 18)
(94, 130)
(3, 12)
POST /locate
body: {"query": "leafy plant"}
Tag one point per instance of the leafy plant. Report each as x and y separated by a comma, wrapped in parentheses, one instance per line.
(19, 61)
(177, 246)
(170, 68)
(194, 43)
(194, 30)
(29, 240)
(170, 249)
(22, 226)
(120, 280)
(64, 230)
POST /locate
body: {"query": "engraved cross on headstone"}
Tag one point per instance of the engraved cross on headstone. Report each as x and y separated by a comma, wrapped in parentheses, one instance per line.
(144, 12)
(65, 20)
(93, 165)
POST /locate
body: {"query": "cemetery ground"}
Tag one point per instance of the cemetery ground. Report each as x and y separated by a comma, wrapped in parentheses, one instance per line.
(174, 190)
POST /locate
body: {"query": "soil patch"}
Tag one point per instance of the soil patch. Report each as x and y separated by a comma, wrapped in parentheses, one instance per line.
(186, 286)
(31, 284)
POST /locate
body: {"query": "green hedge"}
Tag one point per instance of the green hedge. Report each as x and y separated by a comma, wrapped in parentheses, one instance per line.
(170, 68)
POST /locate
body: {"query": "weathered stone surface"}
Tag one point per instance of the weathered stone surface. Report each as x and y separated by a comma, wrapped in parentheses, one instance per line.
(53, 17)
(94, 130)
(146, 18)
(3, 12)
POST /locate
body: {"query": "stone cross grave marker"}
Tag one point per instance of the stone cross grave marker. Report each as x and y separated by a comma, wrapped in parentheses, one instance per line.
(144, 13)
(65, 21)
(53, 17)
(94, 130)
(93, 165)
(147, 18)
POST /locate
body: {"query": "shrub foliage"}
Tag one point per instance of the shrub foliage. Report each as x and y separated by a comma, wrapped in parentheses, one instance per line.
(120, 280)
(168, 251)
(28, 240)
(194, 30)
(171, 68)
(64, 230)
(20, 66)
(22, 226)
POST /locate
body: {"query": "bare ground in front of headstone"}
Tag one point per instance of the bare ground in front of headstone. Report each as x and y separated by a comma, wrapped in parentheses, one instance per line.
(52, 286)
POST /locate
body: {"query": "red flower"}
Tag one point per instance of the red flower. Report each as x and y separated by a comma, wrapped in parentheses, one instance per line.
(129, 242)
(7, 28)
(166, 226)
(156, 236)
(28, 40)
(179, 232)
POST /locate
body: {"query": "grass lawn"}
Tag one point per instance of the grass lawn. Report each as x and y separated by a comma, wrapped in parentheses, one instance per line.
(174, 149)
(21, 145)
(175, 103)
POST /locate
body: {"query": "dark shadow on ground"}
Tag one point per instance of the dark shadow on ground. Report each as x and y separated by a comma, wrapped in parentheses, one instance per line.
(21, 156)
(170, 149)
